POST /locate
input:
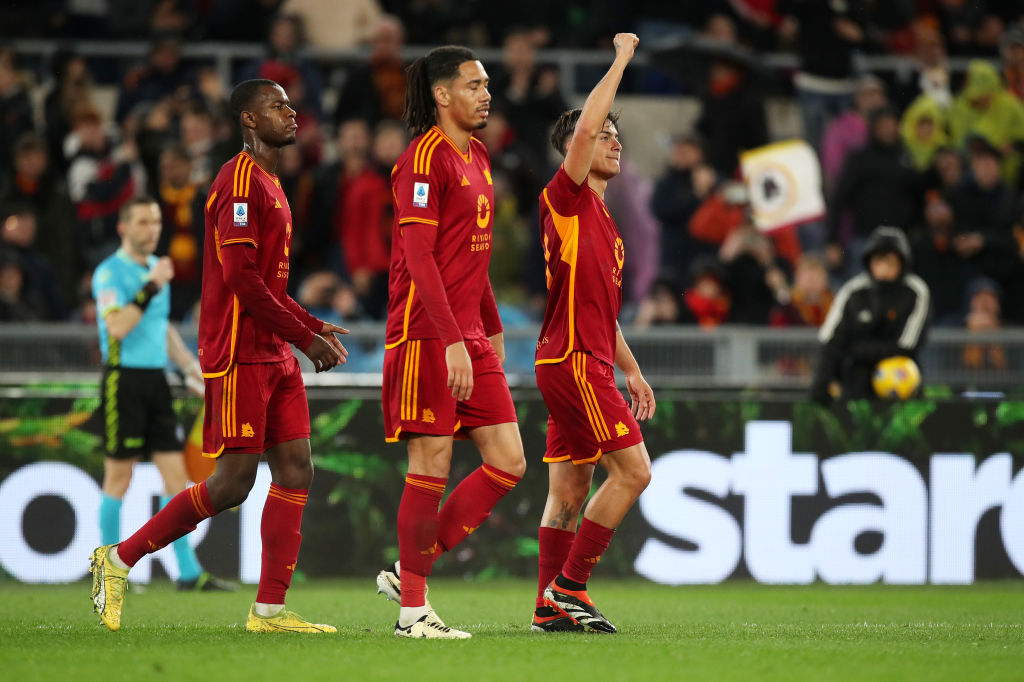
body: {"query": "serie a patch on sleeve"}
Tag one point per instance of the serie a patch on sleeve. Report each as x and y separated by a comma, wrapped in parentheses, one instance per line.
(420, 192)
(241, 215)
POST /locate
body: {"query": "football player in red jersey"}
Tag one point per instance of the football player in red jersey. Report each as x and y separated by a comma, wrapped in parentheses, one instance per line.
(255, 399)
(444, 345)
(580, 343)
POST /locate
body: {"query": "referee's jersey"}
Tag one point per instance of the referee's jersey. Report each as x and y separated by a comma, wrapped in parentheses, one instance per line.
(115, 283)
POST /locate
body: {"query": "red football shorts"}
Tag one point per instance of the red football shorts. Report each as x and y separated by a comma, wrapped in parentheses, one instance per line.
(416, 397)
(587, 415)
(252, 408)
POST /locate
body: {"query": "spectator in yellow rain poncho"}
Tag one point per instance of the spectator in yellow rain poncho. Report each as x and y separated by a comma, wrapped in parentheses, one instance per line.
(985, 108)
(925, 130)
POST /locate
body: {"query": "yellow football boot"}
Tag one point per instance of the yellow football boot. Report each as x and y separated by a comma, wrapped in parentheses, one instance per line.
(108, 587)
(285, 621)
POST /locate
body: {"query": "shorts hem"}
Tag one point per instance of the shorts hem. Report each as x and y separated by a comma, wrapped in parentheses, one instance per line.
(284, 439)
(468, 427)
(588, 460)
(214, 455)
(626, 446)
(242, 450)
(553, 460)
(127, 454)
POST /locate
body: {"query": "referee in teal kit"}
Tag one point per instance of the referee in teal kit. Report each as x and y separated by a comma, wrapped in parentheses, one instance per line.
(133, 304)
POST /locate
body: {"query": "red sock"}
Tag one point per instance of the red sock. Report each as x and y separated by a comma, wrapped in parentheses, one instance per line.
(554, 548)
(414, 588)
(590, 543)
(279, 530)
(417, 534)
(178, 518)
(471, 503)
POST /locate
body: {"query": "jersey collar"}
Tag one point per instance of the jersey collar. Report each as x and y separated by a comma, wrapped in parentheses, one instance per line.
(468, 156)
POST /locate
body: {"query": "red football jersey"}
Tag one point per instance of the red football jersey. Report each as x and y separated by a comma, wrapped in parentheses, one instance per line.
(435, 184)
(246, 207)
(584, 255)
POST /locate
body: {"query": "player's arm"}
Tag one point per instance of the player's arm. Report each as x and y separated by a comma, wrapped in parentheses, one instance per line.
(640, 394)
(580, 152)
(492, 321)
(318, 326)
(243, 278)
(420, 241)
(121, 321)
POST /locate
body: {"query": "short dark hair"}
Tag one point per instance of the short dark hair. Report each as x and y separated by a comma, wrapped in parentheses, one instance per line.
(126, 209)
(177, 149)
(29, 142)
(440, 64)
(244, 94)
(566, 124)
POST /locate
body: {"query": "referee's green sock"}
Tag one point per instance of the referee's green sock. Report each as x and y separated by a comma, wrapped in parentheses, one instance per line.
(110, 519)
(188, 565)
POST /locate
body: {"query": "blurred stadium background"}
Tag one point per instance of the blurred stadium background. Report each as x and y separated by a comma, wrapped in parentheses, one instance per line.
(102, 100)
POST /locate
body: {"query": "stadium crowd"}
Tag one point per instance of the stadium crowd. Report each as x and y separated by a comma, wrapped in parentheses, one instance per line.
(933, 150)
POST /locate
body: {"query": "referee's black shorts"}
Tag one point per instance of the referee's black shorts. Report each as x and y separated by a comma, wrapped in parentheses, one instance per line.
(136, 414)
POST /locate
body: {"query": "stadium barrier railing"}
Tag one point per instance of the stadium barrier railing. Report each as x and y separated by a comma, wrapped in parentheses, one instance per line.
(676, 357)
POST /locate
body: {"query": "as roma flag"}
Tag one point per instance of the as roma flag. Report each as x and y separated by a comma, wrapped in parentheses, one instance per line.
(784, 183)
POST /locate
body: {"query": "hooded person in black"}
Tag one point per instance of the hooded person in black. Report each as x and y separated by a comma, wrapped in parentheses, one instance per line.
(880, 313)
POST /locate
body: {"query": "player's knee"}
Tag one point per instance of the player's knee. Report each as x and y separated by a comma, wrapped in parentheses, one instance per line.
(516, 467)
(640, 478)
(226, 492)
(298, 475)
(571, 494)
(235, 494)
(635, 479)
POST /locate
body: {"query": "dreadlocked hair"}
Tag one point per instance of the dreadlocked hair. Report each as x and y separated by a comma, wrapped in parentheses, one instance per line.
(440, 64)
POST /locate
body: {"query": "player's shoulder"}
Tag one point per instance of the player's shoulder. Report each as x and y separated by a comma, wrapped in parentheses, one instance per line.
(236, 178)
(228, 170)
(561, 185)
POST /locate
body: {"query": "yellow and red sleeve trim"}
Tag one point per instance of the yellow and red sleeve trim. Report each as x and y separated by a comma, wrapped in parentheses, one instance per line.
(423, 221)
(240, 240)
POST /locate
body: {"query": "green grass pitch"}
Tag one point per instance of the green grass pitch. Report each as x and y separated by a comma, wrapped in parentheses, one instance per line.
(735, 631)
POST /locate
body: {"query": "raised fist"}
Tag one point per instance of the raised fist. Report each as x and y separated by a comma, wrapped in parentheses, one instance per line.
(625, 44)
